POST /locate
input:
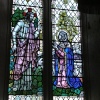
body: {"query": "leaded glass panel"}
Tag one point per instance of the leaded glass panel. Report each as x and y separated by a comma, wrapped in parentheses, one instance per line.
(26, 53)
(66, 51)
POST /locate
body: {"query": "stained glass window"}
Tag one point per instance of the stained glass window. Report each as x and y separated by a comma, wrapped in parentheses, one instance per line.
(26, 53)
(66, 51)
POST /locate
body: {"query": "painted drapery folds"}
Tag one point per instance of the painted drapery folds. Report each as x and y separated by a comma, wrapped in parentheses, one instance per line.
(26, 53)
(66, 51)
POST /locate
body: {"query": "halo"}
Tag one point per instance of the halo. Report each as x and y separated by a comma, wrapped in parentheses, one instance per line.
(57, 33)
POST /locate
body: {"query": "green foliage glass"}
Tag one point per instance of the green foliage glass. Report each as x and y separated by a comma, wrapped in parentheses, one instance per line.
(18, 15)
(66, 23)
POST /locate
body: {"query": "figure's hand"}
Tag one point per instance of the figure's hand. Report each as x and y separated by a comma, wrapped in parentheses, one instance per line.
(55, 45)
(40, 53)
(40, 62)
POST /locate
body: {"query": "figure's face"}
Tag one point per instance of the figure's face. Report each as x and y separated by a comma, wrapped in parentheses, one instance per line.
(62, 36)
(31, 17)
